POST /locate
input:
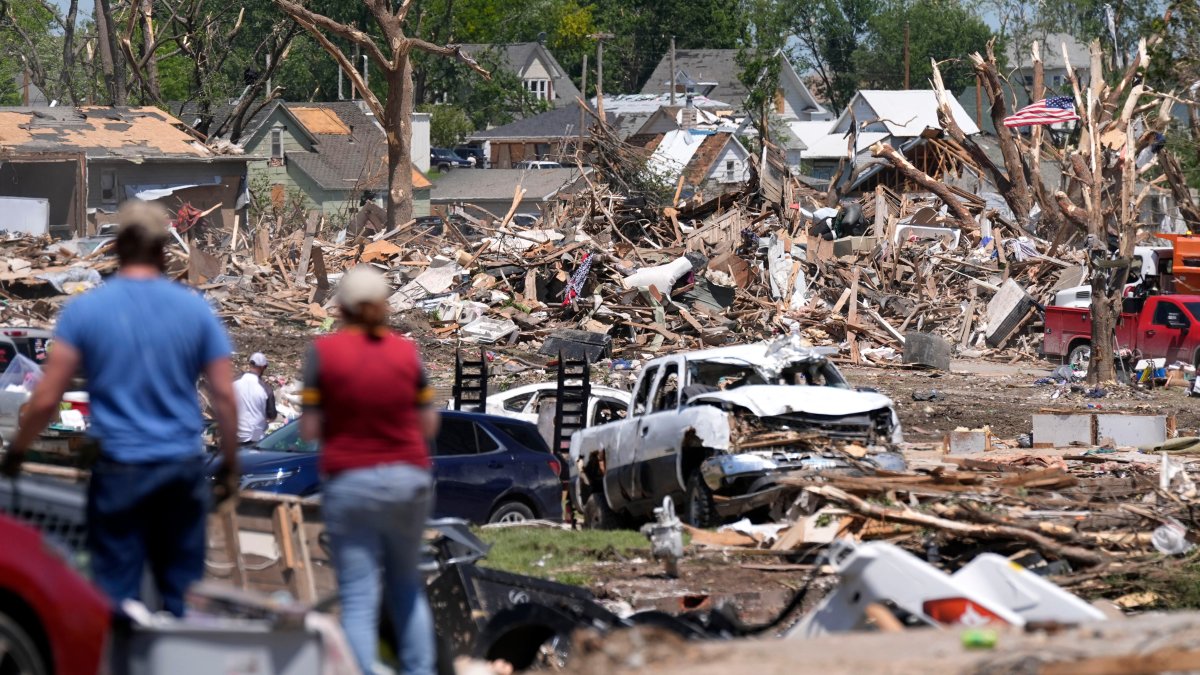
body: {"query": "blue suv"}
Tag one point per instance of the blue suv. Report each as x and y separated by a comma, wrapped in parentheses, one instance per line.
(487, 468)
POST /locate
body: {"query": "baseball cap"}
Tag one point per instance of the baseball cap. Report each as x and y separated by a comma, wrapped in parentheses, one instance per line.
(150, 218)
(258, 359)
(362, 284)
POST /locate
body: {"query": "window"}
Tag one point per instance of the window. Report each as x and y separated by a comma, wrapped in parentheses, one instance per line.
(276, 143)
(517, 403)
(729, 170)
(287, 439)
(460, 437)
(1168, 313)
(666, 397)
(642, 396)
(108, 186)
(524, 434)
(1028, 80)
(1058, 80)
(539, 88)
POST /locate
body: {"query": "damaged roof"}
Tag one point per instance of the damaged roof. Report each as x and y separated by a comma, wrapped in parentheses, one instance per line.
(350, 152)
(500, 184)
(190, 114)
(99, 132)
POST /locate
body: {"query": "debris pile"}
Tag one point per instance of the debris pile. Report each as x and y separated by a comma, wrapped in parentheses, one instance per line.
(1087, 519)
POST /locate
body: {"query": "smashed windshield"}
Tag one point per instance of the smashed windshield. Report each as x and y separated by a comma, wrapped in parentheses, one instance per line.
(730, 374)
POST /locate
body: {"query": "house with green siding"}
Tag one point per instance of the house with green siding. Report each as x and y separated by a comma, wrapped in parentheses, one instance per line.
(334, 154)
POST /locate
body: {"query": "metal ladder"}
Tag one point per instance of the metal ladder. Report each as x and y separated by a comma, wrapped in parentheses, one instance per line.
(470, 382)
(570, 415)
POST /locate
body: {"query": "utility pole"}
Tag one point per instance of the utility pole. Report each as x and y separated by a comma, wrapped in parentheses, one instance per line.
(906, 55)
(672, 71)
(600, 38)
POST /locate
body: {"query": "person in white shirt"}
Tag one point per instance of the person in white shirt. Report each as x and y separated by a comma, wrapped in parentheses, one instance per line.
(255, 401)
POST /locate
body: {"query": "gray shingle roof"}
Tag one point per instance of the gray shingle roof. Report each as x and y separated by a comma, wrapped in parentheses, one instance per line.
(189, 114)
(558, 123)
(701, 66)
(489, 185)
(357, 160)
(517, 56)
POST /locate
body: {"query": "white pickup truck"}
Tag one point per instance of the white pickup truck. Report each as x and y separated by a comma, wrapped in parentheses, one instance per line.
(715, 429)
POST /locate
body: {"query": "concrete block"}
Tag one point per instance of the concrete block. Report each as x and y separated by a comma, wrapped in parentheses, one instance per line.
(1054, 430)
(927, 349)
(1131, 430)
(969, 442)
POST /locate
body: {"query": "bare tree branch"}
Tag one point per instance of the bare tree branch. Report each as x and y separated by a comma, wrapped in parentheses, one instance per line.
(453, 51)
(302, 14)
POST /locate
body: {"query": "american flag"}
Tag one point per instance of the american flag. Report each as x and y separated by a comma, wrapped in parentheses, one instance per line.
(1046, 111)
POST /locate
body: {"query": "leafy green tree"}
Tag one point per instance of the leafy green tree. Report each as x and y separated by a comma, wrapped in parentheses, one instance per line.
(828, 32)
(448, 124)
(943, 30)
(760, 59)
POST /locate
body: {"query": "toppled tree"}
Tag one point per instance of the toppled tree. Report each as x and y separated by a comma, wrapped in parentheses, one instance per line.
(395, 113)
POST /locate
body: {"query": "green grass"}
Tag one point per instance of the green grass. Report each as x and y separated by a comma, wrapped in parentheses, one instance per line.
(559, 555)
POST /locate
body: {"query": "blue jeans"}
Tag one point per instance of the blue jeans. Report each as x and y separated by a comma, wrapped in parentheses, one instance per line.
(375, 518)
(152, 513)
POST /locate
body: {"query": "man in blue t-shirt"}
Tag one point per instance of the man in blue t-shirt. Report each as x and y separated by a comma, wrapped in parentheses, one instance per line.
(142, 341)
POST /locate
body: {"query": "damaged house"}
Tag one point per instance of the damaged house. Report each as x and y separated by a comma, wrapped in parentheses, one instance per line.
(66, 169)
(334, 155)
(906, 120)
(715, 73)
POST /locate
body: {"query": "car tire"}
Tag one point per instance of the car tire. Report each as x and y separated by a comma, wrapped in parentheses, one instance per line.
(21, 654)
(700, 508)
(443, 167)
(598, 515)
(511, 512)
(1080, 355)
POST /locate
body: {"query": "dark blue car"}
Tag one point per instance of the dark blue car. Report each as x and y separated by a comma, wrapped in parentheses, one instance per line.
(488, 469)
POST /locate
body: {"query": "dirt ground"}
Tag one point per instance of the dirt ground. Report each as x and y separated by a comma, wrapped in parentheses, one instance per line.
(973, 394)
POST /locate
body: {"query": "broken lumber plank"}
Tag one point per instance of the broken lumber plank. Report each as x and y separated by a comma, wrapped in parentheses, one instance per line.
(906, 515)
(310, 233)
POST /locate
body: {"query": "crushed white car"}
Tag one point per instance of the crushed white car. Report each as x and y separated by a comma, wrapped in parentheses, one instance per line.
(715, 429)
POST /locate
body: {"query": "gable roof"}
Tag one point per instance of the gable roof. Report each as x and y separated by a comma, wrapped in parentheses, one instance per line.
(904, 114)
(350, 152)
(557, 123)
(518, 56)
(702, 160)
(703, 67)
(100, 132)
(500, 184)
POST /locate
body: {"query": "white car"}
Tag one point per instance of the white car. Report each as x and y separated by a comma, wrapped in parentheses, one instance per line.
(538, 164)
(521, 403)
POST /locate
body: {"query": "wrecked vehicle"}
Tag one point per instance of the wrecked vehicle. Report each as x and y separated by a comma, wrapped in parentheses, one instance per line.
(715, 429)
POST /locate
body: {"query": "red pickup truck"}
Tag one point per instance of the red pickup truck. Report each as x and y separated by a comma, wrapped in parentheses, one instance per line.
(1168, 326)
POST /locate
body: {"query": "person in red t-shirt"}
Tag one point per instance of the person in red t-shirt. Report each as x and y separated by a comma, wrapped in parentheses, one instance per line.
(367, 401)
